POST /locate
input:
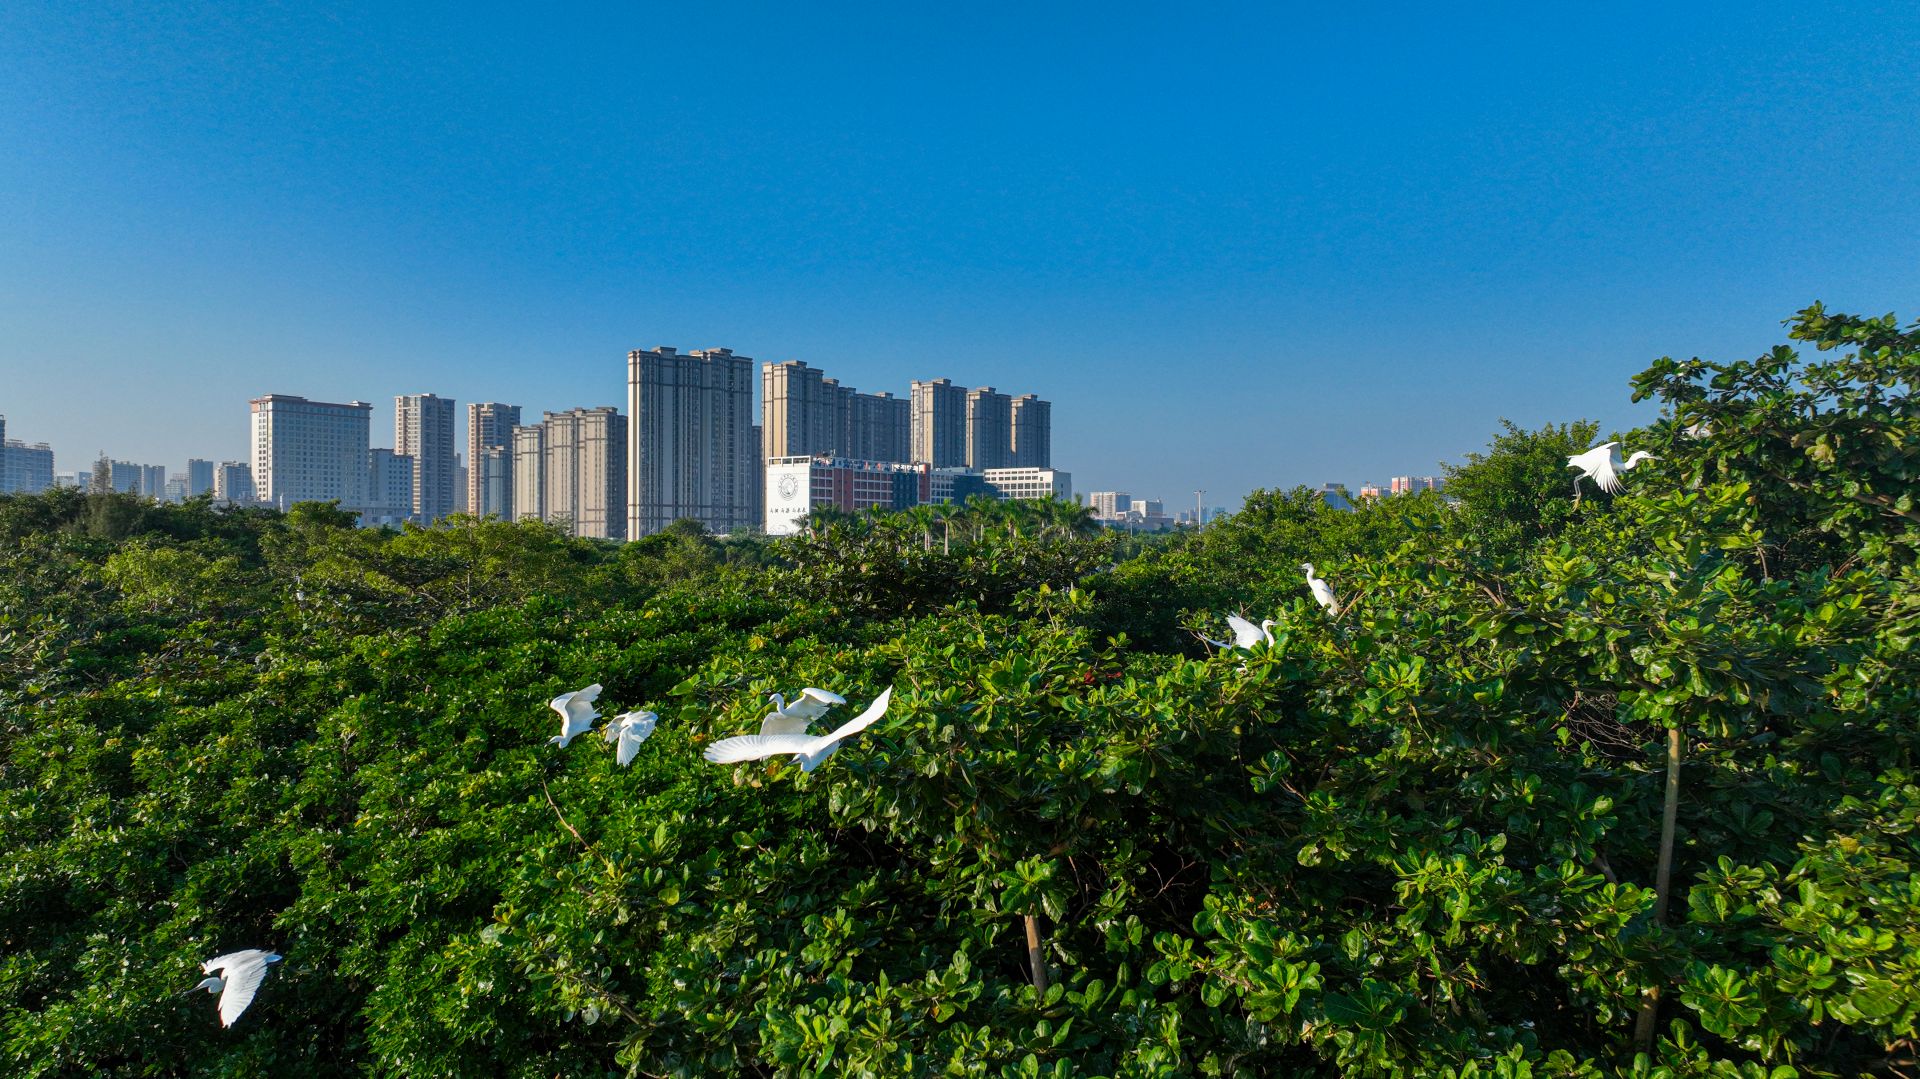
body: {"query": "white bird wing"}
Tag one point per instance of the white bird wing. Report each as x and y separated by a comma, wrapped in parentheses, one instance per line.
(242, 980)
(1245, 633)
(813, 703)
(1604, 477)
(752, 747)
(783, 723)
(860, 722)
(635, 728)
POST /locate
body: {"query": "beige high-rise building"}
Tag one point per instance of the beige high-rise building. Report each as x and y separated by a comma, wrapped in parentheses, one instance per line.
(530, 472)
(309, 451)
(490, 427)
(586, 473)
(801, 410)
(804, 412)
(939, 424)
(423, 429)
(692, 452)
(879, 427)
(1032, 427)
(989, 429)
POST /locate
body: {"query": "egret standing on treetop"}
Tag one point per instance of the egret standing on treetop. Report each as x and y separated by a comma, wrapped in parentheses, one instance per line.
(630, 729)
(811, 751)
(1245, 633)
(1602, 465)
(795, 717)
(1322, 591)
(243, 972)
(576, 714)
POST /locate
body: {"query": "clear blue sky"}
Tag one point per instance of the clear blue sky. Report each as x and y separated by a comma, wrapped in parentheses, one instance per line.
(1237, 246)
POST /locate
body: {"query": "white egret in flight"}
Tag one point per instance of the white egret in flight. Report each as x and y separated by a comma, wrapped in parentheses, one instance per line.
(796, 716)
(1322, 591)
(812, 751)
(1602, 465)
(630, 729)
(576, 714)
(240, 977)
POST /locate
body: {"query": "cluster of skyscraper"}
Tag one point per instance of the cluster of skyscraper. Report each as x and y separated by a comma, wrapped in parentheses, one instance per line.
(688, 446)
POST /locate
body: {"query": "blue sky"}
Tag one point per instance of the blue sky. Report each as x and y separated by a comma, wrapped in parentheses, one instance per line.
(1237, 246)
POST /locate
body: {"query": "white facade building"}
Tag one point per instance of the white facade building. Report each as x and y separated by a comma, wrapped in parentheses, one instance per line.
(1030, 482)
(310, 451)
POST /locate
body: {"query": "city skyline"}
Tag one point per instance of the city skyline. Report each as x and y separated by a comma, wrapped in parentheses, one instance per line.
(1313, 244)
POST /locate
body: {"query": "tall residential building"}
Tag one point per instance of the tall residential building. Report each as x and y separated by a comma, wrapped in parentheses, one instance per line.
(692, 452)
(1032, 432)
(989, 429)
(530, 472)
(176, 489)
(459, 484)
(879, 427)
(1109, 503)
(389, 488)
(1406, 485)
(305, 451)
(423, 428)
(801, 411)
(233, 484)
(125, 476)
(586, 471)
(495, 467)
(25, 468)
(939, 424)
(490, 427)
(153, 482)
(199, 477)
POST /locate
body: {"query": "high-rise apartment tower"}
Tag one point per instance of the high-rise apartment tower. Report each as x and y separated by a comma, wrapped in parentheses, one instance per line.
(939, 423)
(489, 489)
(423, 429)
(306, 451)
(1032, 424)
(989, 429)
(692, 452)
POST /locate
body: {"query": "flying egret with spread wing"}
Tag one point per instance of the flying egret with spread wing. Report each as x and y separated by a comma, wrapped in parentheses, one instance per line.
(795, 716)
(576, 714)
(1602, 465)
(812, 751)
(630, 729)
(238, 977)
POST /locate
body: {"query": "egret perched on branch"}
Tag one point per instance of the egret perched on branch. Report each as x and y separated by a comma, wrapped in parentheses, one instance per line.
(576, 714)
(796, 716)
(241, 973)
(630, 729)
(1602, 465)
(1322, 591)
(812, 751)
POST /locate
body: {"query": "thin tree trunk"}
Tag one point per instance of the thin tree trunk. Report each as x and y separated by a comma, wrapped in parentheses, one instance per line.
(1034, 960)
(1643, 1027)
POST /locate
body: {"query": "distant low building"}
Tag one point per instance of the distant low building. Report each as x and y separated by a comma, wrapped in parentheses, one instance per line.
(797, 485)
(1019, 483)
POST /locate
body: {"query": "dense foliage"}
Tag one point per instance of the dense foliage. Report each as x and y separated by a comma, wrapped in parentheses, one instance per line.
(1423, 837)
